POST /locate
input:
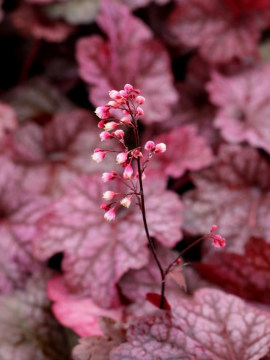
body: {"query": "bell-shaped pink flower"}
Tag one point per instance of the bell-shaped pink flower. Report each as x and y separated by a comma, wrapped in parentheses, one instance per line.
(128, 172)
(121, 158)
(160, 148)
(110, 215)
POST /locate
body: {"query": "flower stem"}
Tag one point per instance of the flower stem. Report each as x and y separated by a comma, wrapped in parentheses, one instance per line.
(149, 238)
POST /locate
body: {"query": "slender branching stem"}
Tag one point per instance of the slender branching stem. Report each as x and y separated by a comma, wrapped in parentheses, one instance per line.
(149, 238)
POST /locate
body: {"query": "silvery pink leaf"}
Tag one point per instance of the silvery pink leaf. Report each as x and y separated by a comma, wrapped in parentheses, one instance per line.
(36, 98)
(19, 211)
(99, 347)
(243, 106)
(52, 155)
(8, 120)
(234, 194)
(212, 326)
(32, 21)
(221, 29)
(97, 253)
(186, 150)
(76, 311)
(28, 330)
(130, 55)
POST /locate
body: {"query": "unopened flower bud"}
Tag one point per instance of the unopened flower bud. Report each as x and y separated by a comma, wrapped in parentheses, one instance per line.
(98, 155)
(128, 87)
(150, 145)
(102, 112)
(113, 94)
(109, 195)
(140, 100)
(136, 153)
(119, 134)
(105, 207)
(126, 201)
(218, 241)
(123, 93)
(121, 158)
(105, 135)
(101, 124)
(125, 120)
(113, 104)
(110, 215)
(127, 175)
(160, 148)
(109, 176)
(213, 228)
(139, 111)
(110, 126)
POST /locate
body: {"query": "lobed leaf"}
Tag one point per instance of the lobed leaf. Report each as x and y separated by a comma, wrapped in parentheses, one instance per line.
(212, 326)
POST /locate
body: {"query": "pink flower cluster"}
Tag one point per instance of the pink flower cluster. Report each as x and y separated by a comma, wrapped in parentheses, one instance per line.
(217, 240)
(128, 101)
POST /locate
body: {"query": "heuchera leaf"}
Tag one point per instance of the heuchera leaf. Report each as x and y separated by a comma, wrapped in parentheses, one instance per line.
(222, 29)
(32, 21)
(8, 120)
(137, 283)
(36, 98)
(99, 347)
(213, 326)
(75, 311)
(19, 211)
(75, 12)
(234, 194)
(246, 275)
(28, 330)
(130, 55)
(52, 155)
(244, 106)
(185, 151)
(98, 253)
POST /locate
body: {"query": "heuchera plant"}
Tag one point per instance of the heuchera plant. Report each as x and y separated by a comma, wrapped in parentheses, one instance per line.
(129, 102)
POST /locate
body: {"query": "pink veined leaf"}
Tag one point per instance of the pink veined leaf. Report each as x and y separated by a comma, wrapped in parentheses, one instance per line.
(135, 4)
(130, 55)
(244, 110)
(212, 326)
(52, 155)
(221, 29)
(32, 21)
(36, 98)
(193, 107)
(75, 12)
(97, 253)
(234, 194)
(8, 120)
(77, 312)
(19, 211)
(28, 329)
(137, 283)
(185, 151)
(99, 347)
(246, 275)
